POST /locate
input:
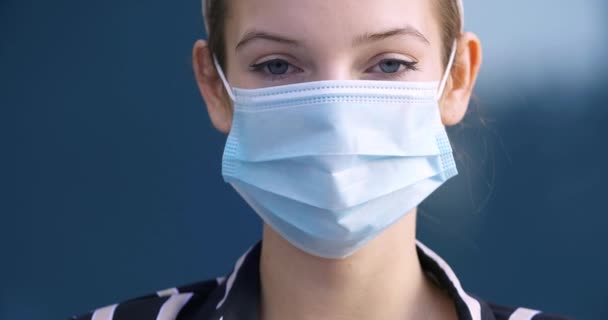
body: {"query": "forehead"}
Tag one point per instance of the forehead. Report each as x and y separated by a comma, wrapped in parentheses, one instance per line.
(330, 21)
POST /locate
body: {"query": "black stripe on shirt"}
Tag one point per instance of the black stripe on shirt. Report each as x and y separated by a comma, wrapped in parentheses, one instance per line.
(143, 309)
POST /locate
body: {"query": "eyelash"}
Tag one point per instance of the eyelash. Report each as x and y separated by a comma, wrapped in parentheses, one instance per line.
(408, 66)
(260, 68)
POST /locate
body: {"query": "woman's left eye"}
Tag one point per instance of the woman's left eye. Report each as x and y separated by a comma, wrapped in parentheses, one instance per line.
(393, 66)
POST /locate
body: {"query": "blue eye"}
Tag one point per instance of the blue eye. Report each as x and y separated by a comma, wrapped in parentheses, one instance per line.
(390, 66)
(393, 66)
(274, 67)
(277, 66)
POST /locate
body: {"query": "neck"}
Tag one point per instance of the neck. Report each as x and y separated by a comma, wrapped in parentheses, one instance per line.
(382, 280)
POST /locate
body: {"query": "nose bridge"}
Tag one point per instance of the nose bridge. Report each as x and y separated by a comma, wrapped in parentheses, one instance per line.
(333, 66)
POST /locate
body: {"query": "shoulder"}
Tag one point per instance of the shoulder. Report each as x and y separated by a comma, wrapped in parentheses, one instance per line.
(164, 304)
(500, 312)
(469, 306)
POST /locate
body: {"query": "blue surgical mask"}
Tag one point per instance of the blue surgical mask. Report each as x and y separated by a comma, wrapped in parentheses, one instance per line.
(329, 165)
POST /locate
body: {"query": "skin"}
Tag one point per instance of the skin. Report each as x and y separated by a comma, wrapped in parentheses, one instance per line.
(383, 280)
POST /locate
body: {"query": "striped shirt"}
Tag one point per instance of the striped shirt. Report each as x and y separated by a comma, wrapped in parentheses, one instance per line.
(237, 296)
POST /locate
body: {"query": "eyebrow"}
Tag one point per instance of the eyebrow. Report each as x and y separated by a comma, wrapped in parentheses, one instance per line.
(261, 35)
(365, 38)
(405, 31)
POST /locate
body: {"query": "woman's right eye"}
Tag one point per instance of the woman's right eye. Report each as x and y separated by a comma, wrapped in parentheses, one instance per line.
(274, 67)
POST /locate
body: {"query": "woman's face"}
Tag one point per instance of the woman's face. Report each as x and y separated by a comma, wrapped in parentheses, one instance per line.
(277, 42)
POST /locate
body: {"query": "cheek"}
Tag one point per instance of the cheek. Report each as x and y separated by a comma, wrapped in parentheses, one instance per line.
(436, 69)
(238, 74)
(241, 79)
(430, 67)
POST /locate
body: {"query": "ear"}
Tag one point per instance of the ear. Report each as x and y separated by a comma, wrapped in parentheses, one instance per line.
(455, 99)
(211, 87)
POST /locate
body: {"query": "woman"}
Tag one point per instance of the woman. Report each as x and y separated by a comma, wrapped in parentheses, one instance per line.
(335, 114)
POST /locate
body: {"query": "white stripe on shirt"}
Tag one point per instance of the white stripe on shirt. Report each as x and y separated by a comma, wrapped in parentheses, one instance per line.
(523, 314)
(172, 306)
(106, 313)
(472, 304)
(232, 276)
(167, 292)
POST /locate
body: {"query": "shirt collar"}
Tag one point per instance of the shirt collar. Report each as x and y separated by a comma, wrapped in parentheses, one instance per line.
(238, 295)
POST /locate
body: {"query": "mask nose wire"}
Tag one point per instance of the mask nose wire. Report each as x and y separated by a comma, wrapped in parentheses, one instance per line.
(446, 75)
(223, 77)
(442, 85)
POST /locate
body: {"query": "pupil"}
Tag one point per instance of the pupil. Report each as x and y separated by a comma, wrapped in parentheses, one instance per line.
(389, 66)
(277, 67)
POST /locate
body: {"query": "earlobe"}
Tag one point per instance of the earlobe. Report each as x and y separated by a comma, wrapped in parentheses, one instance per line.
(211, 87)
(455, 100)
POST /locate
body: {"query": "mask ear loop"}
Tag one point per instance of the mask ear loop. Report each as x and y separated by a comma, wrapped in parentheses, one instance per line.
(218, 68)
(448, 71)
(223, 77)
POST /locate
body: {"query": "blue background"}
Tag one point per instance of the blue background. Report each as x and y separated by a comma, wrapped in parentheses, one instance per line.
(110, 169)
